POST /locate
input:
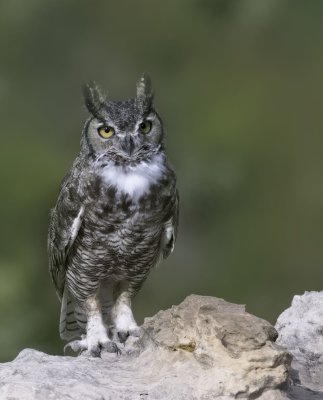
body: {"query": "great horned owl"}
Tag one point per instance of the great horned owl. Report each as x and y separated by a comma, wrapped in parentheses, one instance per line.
(116, 216)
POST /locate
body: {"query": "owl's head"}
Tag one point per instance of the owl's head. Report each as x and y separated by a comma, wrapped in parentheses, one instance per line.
(123, 131)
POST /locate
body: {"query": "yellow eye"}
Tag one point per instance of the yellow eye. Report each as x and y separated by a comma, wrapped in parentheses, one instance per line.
(145, 126)
(106, 131)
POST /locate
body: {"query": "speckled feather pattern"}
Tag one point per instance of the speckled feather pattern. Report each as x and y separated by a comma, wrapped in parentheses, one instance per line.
(119, 234)
(120, 237)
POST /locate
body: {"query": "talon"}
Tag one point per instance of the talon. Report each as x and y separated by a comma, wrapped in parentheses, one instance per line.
(123, 336)
(66, 347)
(75, 345)
(96, 351)
(111, 347)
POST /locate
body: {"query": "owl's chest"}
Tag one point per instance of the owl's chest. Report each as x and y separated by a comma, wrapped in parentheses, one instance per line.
(129, 183)
(132, 181)
(132, 212)
(128, 196)
(127, 208)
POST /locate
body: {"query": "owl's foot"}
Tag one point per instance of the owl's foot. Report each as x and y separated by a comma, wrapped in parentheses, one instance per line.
(124, 334)
(94, 348)
(123, 319)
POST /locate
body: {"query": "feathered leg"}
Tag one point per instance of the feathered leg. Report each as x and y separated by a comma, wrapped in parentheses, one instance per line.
(96, 338)
(121, 314)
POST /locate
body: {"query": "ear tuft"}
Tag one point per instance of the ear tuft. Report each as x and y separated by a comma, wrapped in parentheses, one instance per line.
(93, 97)
(145, 92)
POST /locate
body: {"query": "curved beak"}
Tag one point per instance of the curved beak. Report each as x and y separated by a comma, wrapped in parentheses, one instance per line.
(128, 145)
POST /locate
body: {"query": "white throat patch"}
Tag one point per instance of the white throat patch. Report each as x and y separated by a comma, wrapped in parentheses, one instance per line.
(134, 181)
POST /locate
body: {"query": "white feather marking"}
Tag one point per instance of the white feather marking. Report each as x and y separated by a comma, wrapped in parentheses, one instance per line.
(96, 332)
(168, 233)
(124, 320)
(135, 180)
(76, 224)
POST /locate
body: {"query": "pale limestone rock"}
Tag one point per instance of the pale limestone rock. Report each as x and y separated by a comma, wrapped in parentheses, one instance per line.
(203, 349)
(300, 330)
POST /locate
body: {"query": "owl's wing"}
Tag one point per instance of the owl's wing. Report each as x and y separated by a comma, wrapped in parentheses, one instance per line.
(66, 220)
(170, 228)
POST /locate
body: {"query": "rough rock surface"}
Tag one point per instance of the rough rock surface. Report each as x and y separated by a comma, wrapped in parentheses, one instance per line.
(300, 330)
(204, 348)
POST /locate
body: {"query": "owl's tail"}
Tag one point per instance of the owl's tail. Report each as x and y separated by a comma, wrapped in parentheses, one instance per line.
(72, 321)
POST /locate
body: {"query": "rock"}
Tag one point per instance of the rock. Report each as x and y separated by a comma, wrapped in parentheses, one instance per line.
(300, 330)
(204, 348)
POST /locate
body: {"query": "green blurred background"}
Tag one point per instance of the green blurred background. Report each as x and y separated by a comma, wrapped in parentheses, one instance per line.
(239, 84)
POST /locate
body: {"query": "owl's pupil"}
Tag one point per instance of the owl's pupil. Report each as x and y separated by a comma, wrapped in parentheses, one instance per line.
(142, 125)
(106, 130)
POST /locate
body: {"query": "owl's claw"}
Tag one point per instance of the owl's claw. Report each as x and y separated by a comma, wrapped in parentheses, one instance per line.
(123, 335)
(76, 345)
(111, 347)
(96, 352)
